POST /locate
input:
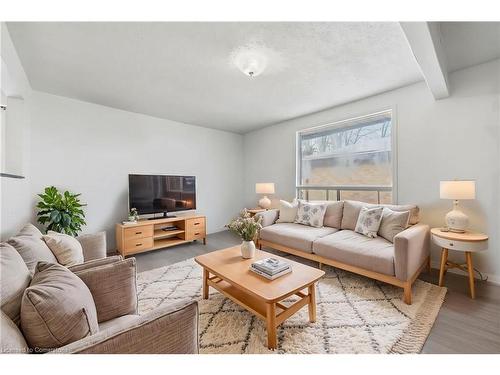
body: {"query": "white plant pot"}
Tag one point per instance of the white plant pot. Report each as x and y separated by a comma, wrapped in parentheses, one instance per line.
(247, 249)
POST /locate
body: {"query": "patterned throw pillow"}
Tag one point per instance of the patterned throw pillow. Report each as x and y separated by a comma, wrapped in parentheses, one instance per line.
(311, 214)
(369, 221)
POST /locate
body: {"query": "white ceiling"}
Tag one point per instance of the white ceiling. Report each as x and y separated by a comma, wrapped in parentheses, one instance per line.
(181, 71)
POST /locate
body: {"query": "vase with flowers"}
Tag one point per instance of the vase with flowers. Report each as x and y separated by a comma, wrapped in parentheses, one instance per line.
(247, 227)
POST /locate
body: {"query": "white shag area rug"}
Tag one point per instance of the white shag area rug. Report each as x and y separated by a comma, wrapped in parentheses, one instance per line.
(354, 314)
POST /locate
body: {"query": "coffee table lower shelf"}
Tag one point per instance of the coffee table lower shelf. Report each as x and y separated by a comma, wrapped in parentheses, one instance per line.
(272, 312)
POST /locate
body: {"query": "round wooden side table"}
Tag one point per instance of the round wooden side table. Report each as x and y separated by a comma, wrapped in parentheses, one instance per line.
(468, 242)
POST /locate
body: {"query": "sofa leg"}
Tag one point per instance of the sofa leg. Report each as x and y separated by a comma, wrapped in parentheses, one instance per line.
(260, 246)
(320, 265)
(407, 293)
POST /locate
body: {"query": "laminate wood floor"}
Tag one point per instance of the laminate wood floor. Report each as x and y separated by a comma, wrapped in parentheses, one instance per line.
(462, 326)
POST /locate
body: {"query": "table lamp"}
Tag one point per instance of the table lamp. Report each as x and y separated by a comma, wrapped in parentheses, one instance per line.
(264, 188)
(456, 220)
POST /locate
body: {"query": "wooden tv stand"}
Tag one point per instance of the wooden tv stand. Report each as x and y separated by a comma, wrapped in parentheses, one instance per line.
(147, 235)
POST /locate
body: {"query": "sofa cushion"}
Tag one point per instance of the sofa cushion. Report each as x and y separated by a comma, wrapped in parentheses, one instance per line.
(393, 223)
(94, 245)
(57, 308)
(311, 214)
(67, 249)
(288, 211)
(349, 247)
(30, 245)
(414, 211)
(15, 279)
(352, 209)
(295, 236)
(117, 323)
(333, 214)
(11, 339)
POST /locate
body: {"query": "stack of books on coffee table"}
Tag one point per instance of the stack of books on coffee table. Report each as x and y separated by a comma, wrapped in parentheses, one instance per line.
(271, 268)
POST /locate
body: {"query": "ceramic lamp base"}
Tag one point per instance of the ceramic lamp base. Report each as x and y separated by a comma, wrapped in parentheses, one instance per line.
(265, 202)
(456, 220)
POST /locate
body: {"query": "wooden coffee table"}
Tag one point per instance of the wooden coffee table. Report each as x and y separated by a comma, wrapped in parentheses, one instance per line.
(226, 271)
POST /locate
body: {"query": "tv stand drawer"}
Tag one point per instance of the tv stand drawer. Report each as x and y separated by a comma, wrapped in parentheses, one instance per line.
(196, 235)
(136, 245)
(195, 225)
(142, 231)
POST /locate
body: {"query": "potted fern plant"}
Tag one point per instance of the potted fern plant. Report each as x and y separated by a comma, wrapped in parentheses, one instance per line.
(247, 227)
(61, 212)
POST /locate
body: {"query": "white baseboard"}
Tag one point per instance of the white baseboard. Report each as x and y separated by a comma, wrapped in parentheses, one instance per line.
(493, 279)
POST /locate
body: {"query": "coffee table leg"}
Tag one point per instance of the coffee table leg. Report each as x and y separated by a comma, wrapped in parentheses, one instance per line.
(271, 326)
(312, 303)
(205, 283)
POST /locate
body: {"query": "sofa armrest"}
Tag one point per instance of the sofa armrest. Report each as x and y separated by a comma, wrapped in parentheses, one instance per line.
(269, 217)
(411, 249)
(94, 245)
(95, 263)
(113, 287)
(166, 330)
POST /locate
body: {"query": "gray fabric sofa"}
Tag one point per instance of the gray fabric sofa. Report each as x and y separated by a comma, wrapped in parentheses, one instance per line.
(337, 244)
(112, 284)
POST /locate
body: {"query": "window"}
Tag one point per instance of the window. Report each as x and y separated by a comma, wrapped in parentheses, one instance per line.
(351, 159)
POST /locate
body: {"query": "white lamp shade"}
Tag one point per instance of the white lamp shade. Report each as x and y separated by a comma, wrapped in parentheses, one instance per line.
(457, 190)
(264, 188)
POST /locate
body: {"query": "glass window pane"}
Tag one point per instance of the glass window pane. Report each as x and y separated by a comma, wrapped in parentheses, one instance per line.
(363, 196)
(356, 152)
(317, 195)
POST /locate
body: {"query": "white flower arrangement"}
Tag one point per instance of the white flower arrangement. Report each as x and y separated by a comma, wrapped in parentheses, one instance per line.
(246, 226)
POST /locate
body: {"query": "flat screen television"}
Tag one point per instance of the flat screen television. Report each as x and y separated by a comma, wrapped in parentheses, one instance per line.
(152, 194)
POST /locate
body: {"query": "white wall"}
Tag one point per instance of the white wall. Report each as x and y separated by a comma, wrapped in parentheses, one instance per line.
(15, 207)
(91, 149)
(457, 137)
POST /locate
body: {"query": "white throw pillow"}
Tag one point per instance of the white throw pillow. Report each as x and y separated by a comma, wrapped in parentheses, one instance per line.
(369, 221)
(66, 249)
(288, 211)
(311, 214)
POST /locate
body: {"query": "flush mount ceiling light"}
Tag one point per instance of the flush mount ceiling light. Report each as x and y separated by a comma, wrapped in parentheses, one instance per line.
(251, 61)
(254, 58)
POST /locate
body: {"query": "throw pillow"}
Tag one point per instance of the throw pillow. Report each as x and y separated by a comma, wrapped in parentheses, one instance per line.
(30, 230)
(57, 308)
(15, 278)
(333, 214)
(113, 287)
(392, 223)
(352, 209)
(67, 249)
(94, 245)
(288, 211)
(30, 245)
(310, 214)
(369, 221)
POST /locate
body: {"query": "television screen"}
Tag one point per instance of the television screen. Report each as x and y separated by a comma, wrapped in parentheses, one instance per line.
(151, 194)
